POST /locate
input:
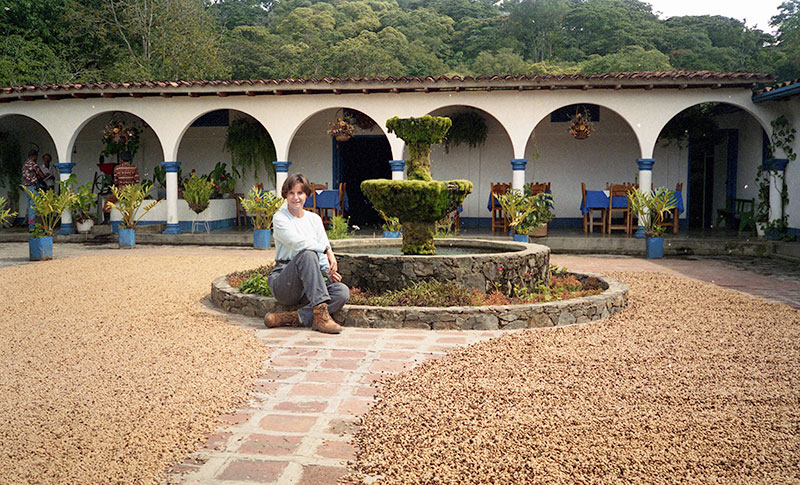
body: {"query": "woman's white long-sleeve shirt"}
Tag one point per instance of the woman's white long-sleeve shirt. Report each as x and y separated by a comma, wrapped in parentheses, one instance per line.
(294, 234)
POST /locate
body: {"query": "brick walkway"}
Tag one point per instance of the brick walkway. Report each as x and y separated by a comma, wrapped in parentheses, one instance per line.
(297, 428)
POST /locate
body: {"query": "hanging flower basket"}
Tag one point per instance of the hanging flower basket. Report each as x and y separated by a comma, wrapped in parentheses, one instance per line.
(581, 127)
(342, 127)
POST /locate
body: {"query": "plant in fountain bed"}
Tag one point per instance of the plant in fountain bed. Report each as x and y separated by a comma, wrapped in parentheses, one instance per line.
(419, 201)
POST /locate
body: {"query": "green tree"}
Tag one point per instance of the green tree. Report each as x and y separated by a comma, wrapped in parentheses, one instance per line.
(629, 59)
(234, 13)
(503, 61)
(163, 39)
(536, 25)
(606, 26)
(788, 50)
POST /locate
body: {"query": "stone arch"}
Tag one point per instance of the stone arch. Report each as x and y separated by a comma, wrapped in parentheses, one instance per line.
(717, 170)
(43, 141)
(207, 148)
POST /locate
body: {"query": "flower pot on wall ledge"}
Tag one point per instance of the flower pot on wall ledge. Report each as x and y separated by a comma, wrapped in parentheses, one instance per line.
(127, 238)
(540, 231)
(84, 227)
(40, 248)
(655, 247)
(261, 238)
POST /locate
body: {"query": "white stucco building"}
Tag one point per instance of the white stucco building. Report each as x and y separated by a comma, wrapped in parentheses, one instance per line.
(632, 109)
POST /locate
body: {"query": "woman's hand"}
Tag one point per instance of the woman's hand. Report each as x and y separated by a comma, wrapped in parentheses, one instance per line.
(333, 271)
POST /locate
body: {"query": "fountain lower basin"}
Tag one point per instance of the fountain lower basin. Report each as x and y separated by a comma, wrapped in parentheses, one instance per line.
(480, 264)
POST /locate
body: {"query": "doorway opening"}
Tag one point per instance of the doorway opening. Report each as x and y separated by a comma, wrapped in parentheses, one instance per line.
(713, 168)
(358, 159)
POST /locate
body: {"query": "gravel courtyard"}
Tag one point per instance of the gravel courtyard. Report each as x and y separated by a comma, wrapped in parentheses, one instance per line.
(113, 370)
(692, 384)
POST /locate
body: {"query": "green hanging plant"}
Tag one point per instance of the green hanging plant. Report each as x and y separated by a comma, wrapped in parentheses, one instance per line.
(468, 127)
(696, 122)
(251, 148)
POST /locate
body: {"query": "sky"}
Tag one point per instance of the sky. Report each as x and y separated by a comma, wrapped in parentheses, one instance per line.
(757, 12)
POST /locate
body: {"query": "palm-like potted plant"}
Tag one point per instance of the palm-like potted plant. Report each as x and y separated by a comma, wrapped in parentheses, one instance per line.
(391, 226)
(527, 212)
(261, 205)
(651, 208)
(129, 204)
(83, 207)
(5, 212)
(49, 206)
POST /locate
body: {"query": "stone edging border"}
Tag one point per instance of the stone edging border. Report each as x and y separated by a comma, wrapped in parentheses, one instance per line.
(507, 317)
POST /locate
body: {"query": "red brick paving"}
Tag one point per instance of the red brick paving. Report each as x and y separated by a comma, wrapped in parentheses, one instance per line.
(298, 431)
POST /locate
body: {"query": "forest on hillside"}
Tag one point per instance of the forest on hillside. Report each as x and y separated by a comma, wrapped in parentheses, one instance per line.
(68, 41)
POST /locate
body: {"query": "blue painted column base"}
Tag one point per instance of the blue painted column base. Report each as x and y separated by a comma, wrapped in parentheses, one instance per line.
(172, 229)
(640, 234)
(66, 229)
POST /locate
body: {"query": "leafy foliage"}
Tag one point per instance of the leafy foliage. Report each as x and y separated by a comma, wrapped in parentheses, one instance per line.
(5, 212)
(83, 204)
(468, 127)
(129, 203)
(236, 278)
(340, 228)
(527, 211)
(251, 147)
(197, 192)
(434, 293)
(257, 283)
(49, 206)
(651, 208)
(262, 205)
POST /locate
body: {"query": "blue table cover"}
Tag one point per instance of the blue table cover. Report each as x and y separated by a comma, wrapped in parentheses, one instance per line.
(597, 199)
(328, 199)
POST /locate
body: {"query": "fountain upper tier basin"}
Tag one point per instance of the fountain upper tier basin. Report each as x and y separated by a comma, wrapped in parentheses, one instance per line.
(480, 264)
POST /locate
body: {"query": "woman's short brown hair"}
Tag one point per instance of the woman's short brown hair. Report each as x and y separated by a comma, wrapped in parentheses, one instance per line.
(293, 180)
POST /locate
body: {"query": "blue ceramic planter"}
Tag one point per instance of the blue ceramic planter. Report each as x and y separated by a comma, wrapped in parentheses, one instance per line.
(520, 237)
(391, 234)
(127, 238)
(261, 238)
(40, 248)
(655, 247)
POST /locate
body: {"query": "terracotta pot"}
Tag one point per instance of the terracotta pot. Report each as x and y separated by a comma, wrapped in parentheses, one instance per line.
(342, 137)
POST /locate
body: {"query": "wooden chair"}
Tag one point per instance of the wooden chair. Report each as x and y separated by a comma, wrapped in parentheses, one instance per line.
(588, 218)
(618, 190)
(342, 193)
(241, 214)
(324, 212)
(671, 217)
(499, 218)
(539, 188)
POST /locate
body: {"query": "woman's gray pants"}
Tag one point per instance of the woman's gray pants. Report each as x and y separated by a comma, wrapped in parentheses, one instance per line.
(300, 281)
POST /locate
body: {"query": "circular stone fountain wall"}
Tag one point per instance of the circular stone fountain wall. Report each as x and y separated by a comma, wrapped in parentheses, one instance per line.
(378, 265)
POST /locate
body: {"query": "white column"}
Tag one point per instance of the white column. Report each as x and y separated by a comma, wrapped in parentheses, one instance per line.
(173, 225)
(518, 173)
(776, 169)
(645, 182)
(398, 166)
(281, 174)
(64, 171)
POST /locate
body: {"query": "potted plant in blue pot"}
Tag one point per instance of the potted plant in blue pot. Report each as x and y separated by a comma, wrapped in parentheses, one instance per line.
(261, 205)
(49, 206)
(527, 212)
(130, 199)
(391, 226)
(651, 208)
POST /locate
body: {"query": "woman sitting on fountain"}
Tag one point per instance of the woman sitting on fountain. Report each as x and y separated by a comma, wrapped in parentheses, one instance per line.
(306, 271)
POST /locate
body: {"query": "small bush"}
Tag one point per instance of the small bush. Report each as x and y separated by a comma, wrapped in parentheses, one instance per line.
(256, 284)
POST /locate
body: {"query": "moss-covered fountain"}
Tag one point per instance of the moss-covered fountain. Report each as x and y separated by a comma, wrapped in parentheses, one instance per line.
(419, 201)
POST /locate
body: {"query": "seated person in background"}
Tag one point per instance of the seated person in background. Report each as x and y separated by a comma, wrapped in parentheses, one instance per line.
(49, 170)
(306, 270)
(124, 174)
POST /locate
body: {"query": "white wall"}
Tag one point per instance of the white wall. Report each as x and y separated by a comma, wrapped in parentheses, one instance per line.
(608, 155)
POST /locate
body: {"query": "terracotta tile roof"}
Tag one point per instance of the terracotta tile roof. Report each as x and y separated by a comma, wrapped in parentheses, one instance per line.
(648, 80)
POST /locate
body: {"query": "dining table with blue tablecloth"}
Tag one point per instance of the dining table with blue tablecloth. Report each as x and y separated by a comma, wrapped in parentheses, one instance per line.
(598, 199)
(328, 199)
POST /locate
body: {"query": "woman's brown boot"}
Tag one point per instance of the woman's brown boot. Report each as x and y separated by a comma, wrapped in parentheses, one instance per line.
(323, 321)
(287, 319)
